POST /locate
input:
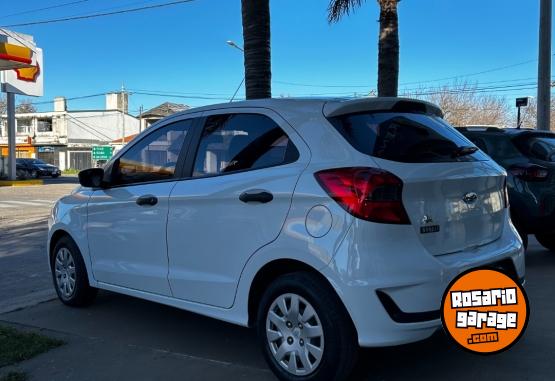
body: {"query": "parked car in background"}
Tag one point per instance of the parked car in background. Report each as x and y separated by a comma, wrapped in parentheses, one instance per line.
(37, 168)
(324, 224)
(529, 157)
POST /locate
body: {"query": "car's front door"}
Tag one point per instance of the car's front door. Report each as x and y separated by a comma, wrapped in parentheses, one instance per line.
(127, 221)
(244, 174)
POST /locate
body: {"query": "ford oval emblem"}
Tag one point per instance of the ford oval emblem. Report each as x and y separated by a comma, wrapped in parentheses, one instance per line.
(470, 198)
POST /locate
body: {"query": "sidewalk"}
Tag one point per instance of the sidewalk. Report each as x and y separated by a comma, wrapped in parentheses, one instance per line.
(94, 359)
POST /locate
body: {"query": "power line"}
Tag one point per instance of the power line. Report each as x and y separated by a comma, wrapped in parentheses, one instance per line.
(314, 85)
(94, 15)
(43, 9)
(165, 92)
(471, 74)
(88, 127)
(414, 82)
(170, 95)
(72, 98)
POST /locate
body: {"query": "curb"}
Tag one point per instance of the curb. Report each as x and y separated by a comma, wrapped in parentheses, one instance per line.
(19, 183)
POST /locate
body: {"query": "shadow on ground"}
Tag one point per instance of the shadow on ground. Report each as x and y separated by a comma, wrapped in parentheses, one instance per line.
(124, 322)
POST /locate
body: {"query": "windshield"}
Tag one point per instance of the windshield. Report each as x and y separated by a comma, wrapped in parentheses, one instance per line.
(406, 137)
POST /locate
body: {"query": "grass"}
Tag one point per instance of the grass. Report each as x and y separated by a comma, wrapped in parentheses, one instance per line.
(14, 376)
(70, 171)
(18, 346)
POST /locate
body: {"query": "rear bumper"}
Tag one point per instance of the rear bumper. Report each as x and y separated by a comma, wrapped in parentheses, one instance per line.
(392, 287)
(55, 172)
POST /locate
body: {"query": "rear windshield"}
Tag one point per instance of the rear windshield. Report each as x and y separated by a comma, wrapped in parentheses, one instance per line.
(541, 147)
(404, 137)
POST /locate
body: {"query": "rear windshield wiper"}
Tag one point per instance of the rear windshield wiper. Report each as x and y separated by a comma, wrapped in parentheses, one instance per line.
(464, 151)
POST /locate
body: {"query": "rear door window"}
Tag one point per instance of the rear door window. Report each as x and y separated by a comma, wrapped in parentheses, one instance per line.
(404, 137)
(240, 142)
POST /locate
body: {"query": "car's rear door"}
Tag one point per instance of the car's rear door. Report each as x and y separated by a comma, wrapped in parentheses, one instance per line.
(243, 176)
(127, 220)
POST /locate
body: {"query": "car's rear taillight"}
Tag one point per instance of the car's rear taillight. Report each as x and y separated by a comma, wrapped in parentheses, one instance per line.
(367, 193)
(529, 172)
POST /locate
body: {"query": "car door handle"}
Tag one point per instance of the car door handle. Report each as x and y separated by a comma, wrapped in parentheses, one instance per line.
(256, 195)
(147, 199)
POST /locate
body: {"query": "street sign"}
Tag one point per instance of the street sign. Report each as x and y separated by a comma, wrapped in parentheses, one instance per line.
(101, 152)
(522, 102)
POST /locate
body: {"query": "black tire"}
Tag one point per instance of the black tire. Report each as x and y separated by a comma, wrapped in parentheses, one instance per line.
(340, 351)
(547, 240)
(55, 176)
(83, 294)
(524, 237)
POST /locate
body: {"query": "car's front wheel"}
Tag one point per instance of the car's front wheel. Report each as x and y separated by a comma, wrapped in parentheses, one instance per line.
(305, 331)
(547, 240)
(34, 174)
(70, 274)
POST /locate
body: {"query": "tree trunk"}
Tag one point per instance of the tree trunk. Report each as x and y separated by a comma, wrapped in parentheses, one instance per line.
(388, 50)
(256, 37)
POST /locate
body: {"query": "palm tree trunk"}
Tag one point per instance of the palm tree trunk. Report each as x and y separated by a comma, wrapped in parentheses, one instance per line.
(256, 37)
(388, 49)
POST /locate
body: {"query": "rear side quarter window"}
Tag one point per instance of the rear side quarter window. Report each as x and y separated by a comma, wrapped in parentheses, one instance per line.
(538, 146)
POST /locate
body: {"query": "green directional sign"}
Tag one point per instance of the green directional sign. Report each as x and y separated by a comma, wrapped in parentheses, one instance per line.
(101, 152)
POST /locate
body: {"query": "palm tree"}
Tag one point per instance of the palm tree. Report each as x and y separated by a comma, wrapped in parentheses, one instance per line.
(388, 47)
(256, 39)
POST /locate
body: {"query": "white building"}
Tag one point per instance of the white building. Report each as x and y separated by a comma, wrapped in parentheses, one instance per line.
(65, 137)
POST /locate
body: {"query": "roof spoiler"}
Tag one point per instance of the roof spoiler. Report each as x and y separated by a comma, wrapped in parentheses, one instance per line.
(384, 104)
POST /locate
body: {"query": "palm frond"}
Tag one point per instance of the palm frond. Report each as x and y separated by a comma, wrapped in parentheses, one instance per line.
(338, 8)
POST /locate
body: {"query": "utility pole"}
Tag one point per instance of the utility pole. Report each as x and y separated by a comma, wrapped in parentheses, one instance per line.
(141, 119)
(544, 67)
(10, 103)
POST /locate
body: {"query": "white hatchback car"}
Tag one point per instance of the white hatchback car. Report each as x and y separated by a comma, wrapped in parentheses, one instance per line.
(325, 224)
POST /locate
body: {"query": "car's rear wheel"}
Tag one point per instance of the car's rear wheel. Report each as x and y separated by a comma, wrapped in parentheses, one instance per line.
(305, 331)
(547, 240)
(70, 274)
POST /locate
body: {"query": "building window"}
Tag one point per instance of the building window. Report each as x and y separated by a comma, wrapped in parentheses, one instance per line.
(23, 126)
(44, 126)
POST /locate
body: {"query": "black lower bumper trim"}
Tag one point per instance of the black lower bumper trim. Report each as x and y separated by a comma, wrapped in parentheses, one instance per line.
(405, 317)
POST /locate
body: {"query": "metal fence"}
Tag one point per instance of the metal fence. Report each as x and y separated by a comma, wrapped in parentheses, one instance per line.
(80, 160)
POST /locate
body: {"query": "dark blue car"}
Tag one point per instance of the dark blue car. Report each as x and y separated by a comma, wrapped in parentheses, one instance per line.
(529, 157)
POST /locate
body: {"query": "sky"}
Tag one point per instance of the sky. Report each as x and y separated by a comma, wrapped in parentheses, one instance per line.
(182, 50)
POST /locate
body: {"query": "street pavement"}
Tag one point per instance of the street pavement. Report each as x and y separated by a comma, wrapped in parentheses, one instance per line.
(120, 338)
(24, 274)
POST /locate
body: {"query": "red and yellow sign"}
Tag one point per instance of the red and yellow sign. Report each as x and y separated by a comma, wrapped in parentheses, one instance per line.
(485, 311)
(15, 56)
(28, 74)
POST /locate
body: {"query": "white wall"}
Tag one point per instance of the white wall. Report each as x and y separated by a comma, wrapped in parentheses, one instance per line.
(99, 126)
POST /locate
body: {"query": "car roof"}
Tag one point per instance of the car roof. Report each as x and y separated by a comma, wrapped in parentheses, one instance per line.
(331, 106)
(511, 131)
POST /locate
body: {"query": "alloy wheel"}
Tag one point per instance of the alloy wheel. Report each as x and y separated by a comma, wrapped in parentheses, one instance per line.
(65, 272)
(295, 334)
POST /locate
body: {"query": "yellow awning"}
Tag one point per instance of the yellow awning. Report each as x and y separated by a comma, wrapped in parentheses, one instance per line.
(14, 56)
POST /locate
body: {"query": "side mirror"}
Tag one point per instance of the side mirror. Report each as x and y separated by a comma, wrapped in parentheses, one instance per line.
(91, 178)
